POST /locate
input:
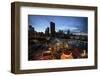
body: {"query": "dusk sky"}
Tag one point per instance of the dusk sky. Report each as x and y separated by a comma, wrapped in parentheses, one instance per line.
(74, 24)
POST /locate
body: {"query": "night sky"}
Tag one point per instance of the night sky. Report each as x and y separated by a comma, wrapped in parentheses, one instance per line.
(74, 24)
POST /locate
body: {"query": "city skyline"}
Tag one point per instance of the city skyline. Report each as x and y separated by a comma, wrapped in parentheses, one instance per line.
(74, 24)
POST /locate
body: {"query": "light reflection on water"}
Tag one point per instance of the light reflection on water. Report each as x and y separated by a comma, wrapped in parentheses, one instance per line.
(78, 44)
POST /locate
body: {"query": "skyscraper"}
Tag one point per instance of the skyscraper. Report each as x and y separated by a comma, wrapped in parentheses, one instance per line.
(47, 31)
(52, 28)
(30, 28)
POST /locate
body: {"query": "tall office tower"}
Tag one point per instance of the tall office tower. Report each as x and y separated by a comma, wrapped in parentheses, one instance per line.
(30, 28)
(47, 31)
(52, 28)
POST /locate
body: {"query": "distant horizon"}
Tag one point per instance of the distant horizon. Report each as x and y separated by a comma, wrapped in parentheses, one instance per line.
(74, 24)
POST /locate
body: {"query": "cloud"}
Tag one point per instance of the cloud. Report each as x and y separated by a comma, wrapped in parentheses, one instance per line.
(72, 29)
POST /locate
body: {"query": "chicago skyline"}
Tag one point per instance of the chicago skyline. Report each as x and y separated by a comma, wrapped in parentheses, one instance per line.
(74, 24)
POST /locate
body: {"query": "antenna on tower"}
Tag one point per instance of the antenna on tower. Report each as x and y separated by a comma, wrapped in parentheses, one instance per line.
(49, 19)
(52, 19)
(46, 18)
